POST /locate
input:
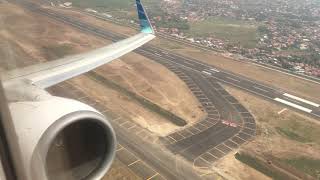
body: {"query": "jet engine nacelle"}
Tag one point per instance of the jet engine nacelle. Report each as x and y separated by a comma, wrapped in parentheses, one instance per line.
(62, 139)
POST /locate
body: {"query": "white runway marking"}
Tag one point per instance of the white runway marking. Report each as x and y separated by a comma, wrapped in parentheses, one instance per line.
(260, 89)
(207, 73)
(233, 79)
(302, 100)
(283, 110)
(215, 70)
(293, 105)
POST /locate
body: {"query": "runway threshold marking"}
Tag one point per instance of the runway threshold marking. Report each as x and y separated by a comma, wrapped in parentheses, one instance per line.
(207, 73)
(214, 70)
(302, 100)
(293, 105)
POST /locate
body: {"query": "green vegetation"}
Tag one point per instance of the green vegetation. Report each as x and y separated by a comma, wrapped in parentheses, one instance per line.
(298, 129)
(174, 22)
(306, 165)
(261, 166)
(143, 101)
(123, 9)
(292, 135)
(224, 28)
(57, 51)
(106, 4)
(263, 29)
(115, 5)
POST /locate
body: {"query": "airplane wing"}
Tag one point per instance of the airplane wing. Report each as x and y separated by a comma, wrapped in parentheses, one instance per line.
(50, 73)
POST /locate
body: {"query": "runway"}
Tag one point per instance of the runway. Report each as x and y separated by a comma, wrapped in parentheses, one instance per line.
(259, 89)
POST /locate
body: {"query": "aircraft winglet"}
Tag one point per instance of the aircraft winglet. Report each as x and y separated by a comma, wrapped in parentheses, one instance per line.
(145, 24)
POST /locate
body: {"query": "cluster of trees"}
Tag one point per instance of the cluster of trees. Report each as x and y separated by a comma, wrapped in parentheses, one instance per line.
(173, 22)
(313, 60)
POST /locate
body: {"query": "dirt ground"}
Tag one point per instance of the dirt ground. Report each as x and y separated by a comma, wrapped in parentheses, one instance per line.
(268, 140)
(239, 171)
(288, 83)
(124, 106)
(119, 171)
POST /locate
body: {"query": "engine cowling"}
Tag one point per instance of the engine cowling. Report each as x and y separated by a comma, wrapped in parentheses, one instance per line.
(62, 139)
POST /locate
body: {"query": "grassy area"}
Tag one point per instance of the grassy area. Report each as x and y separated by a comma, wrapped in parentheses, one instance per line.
(306, 165)
(170, 45)
(106, 4)
(292, 135)
(115, 5)
(233, 30)
(296, 128)
(141, 100)
(123, 9)
(57, 51)
(261, 166)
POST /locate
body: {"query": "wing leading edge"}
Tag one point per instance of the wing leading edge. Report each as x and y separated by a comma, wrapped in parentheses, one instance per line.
(48, 74)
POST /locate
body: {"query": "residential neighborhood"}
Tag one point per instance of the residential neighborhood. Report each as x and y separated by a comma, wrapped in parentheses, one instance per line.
(287, 33)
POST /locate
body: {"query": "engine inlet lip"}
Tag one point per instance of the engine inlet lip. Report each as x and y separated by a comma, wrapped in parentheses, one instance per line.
(46, 140)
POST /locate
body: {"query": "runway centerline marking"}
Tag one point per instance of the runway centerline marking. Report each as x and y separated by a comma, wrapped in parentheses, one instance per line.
(302, 100)
(236, 80)
(260, 89)
(293, 105)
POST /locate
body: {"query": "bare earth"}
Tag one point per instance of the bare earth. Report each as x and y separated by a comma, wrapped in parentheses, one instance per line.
(237, 170)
